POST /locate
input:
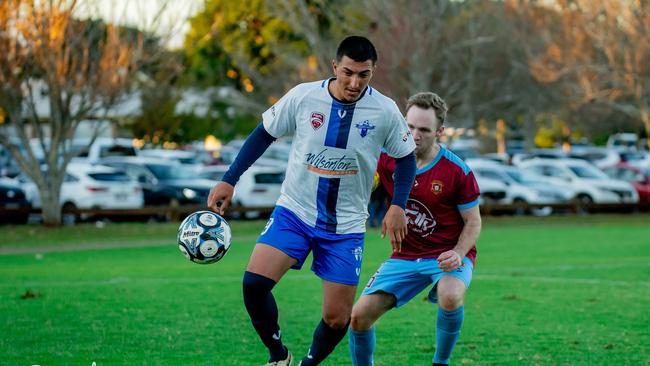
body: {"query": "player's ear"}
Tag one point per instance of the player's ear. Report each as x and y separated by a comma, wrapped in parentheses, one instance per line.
(334, 66)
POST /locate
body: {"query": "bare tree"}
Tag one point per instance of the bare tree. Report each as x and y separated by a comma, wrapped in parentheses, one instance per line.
(83, 68)
(597, 51)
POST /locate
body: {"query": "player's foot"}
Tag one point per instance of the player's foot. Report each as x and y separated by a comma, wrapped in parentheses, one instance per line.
(440, 364)
(286, 362)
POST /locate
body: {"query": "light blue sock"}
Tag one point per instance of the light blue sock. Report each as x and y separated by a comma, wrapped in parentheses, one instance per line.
(362, 346)
(447, 332)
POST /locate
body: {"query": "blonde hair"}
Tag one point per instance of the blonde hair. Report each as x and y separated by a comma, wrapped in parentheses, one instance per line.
(429, 100)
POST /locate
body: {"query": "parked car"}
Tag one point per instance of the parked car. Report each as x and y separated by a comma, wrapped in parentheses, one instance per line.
(8, 166)
(12, 197)
(599, 156)
(213, 172)
(492, 191)
(623, 141)
(590, 184)
(522, 187)
(638, 177)
(163, 182)
(538, 154)
(258, 187)
(639, 159)
(90, 186)
(103, 147)
(189, 159)
(227, 155)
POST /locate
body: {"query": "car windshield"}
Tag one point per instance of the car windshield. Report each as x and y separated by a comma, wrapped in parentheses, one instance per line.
(165, 171)
(587, 172)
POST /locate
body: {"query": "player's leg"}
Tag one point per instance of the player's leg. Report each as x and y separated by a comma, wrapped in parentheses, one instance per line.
(450, 290)
(337, 261)
(394, 284)
(451, 294)
(280, 247)
(267, 265)
(337, 305)
(365, 313)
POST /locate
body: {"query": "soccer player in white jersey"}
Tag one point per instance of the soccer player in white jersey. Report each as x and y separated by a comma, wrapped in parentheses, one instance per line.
(339, 127)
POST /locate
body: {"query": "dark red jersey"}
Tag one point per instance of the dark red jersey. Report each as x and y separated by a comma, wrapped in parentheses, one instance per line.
(441, 189)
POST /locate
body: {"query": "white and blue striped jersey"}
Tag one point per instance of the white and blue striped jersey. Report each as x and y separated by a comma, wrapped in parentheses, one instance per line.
(334, 152)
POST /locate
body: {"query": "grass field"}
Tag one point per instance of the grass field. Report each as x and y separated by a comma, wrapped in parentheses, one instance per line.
(571, 290)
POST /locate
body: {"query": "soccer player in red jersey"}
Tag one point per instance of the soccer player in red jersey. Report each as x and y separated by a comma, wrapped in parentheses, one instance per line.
(440, 248)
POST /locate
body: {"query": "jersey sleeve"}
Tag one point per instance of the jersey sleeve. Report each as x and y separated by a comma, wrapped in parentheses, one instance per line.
(468, 193)
(399, 141)
(280, 119)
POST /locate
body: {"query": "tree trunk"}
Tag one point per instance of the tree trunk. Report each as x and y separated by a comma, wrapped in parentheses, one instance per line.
(645, 117)
(51, 206)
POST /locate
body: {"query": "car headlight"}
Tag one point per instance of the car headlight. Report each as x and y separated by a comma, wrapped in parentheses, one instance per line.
(189, 193)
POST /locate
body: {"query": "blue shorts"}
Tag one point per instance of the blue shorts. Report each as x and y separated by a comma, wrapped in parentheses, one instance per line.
(407, 278)
(337, 257)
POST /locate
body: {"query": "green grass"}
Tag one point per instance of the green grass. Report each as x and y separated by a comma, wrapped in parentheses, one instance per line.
(560, 290)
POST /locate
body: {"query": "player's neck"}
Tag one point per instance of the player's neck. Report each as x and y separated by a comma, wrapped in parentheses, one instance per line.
(427, 158)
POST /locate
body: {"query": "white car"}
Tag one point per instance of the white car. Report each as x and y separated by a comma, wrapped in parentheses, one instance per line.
(258, 187)
(589, 184)
(492, 191)
(598, 156)
(91, 186)
(522, 187)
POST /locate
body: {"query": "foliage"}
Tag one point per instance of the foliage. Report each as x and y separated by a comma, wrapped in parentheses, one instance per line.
(81, 67)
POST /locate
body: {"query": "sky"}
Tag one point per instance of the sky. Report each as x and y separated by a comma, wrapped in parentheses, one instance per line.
(168, 18)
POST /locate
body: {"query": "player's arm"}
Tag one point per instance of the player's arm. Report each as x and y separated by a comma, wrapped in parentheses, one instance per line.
(395, 220)
(452, 259)
(254, 146)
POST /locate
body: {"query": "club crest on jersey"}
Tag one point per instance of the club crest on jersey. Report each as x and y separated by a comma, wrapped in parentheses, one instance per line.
(436, 187)
(317, 120)
(364, 127)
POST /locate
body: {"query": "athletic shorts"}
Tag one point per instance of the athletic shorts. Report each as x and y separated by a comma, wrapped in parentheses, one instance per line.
(407, 278)
(336, 257)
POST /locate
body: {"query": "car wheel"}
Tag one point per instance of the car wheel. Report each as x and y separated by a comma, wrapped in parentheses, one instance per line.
(519, 204)
(68, 217)
(584, 200)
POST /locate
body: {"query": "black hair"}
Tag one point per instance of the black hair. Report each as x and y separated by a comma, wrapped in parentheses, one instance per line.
(357, 48)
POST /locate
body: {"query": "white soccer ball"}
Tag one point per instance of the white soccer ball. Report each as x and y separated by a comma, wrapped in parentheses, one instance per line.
(204, 237)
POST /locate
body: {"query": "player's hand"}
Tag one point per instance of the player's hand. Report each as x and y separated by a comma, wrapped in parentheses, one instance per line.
(220, 196)
(395, 224)
(450, 261)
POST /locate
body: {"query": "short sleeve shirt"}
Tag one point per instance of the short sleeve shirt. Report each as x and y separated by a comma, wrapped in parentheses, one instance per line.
(334, 152)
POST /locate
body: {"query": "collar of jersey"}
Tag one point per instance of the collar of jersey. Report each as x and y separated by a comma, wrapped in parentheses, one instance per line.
(326, 86)
(433, 162)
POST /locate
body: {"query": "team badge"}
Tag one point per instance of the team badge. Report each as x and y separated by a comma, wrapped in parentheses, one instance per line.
(364, 127)
(436, 187)
(317, 120)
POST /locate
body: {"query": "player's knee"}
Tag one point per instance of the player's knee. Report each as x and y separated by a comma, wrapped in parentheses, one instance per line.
(336, 321)
(255, 285)
(359, 320)
(451, 300)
